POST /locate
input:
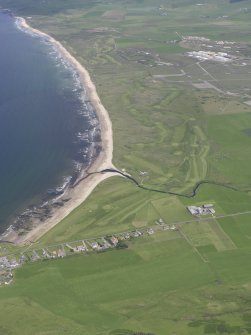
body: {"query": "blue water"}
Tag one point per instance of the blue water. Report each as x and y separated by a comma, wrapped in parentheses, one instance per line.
(41, 116)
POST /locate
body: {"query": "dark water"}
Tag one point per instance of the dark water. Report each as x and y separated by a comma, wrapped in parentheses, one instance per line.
(41, 113)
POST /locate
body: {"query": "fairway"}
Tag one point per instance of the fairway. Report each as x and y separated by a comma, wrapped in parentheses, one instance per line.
(191, 280)
(174, 76)
(147, 81)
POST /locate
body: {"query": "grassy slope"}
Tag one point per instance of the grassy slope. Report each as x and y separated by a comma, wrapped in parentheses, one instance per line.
(196, 285)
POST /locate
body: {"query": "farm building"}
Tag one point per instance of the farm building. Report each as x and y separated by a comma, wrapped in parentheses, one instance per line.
(201, 210)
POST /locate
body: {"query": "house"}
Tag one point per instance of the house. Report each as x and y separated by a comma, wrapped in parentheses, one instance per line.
(114, 240)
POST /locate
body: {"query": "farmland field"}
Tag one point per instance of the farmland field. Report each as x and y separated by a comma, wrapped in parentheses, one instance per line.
(157, 285)
(180, 121)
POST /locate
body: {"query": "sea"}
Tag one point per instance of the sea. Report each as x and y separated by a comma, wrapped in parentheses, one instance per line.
(49, 131)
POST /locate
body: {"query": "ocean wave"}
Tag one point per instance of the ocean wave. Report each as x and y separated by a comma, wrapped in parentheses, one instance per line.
(86, 141)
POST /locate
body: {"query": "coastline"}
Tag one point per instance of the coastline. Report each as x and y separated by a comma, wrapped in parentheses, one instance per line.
(83, 188)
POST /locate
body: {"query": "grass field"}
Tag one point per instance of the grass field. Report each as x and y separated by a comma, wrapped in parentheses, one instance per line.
(123, 44)
(188, 282)
(117, 205)
(158, 285)
(192, 281)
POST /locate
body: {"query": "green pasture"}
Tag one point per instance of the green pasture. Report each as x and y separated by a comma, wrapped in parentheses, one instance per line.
(226, 201)
(238, 229)
(118, 205)
(230, 158)
(205, 233)
(156, 285)
(176, 140)
(192, 281)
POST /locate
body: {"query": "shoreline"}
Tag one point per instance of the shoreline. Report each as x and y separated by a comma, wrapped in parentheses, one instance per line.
(78, 193)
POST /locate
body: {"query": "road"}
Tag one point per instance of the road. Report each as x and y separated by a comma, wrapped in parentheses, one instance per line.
(36, 247)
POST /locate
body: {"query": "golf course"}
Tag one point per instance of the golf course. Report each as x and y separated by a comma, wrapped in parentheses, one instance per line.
(175, 78)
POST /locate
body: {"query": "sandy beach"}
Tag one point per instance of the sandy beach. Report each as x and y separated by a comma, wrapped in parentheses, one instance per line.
(84, 188)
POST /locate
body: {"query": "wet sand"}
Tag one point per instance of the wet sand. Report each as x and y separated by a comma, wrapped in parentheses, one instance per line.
(84, 188)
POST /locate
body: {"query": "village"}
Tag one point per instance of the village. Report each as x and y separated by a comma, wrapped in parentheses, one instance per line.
(205, 49)
(10, 262)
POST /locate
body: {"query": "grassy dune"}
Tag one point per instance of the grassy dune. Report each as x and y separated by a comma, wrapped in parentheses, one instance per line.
(192, 281)
(121, 44)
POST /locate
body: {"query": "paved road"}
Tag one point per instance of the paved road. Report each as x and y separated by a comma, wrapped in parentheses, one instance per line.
(143, 230)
